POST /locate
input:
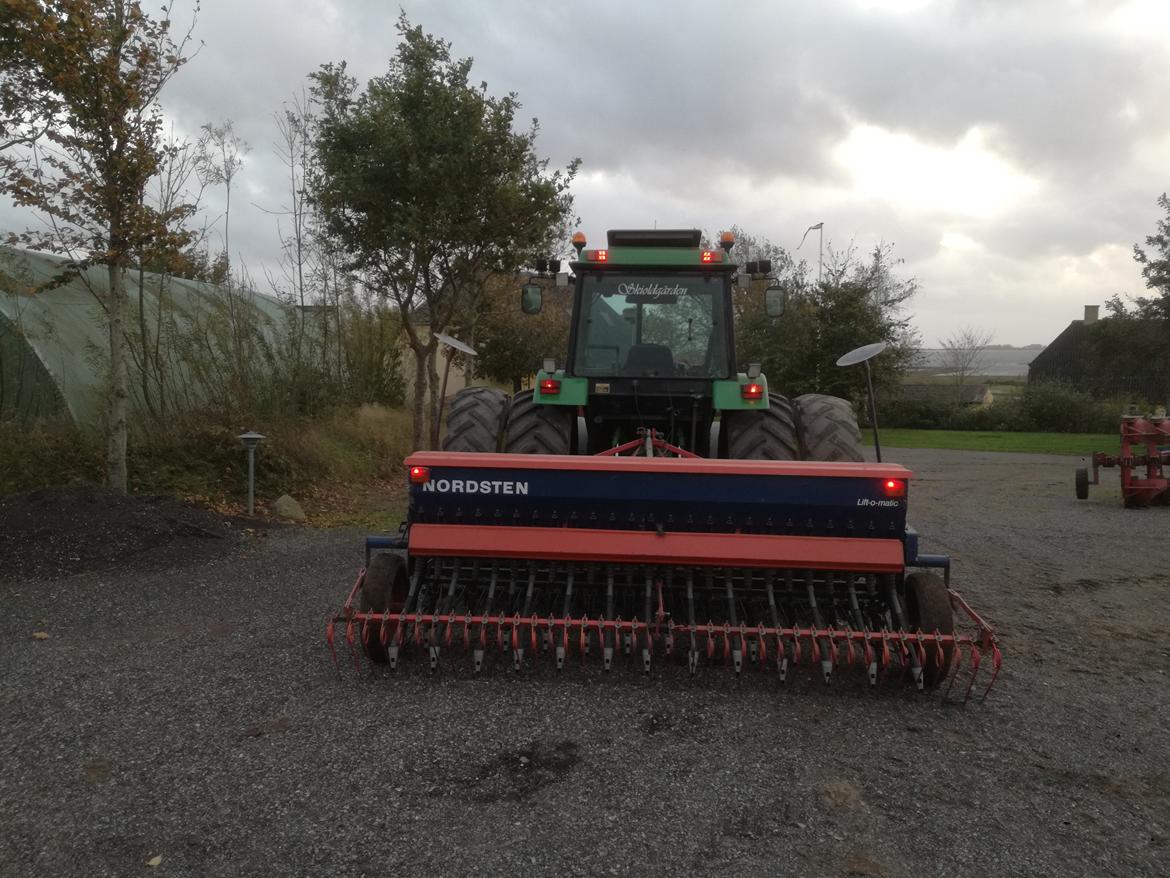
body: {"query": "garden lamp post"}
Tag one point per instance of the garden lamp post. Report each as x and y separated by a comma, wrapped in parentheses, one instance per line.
(251, 439)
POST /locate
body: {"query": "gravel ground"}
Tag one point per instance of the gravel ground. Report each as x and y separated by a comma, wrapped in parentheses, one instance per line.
(190, 713)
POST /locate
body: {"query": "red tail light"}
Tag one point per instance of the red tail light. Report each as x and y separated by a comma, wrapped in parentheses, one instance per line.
(420, 475)
(549, 386)
(752, 391)
(711, 256)
(596, 255)
(895, 487)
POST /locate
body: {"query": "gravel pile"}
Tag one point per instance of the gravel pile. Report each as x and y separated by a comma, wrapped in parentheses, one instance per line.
(54, 532)
(189, 713)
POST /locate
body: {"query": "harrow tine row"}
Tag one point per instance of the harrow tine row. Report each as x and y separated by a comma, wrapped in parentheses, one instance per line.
(781, 618)
(827, 648)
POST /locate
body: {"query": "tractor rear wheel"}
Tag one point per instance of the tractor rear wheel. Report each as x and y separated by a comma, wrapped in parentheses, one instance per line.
(928, 606)
(827, 427)
(764, 435)
(538, 429)
(384, 589)
(476, 420)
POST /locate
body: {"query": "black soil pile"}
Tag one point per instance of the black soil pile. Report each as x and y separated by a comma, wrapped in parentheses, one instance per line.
(54, 532)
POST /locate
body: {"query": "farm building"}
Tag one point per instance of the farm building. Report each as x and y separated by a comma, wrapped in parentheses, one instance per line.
(54, 338)
(1109, 357)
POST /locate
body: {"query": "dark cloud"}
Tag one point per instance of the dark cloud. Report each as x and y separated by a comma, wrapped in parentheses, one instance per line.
(713, 114)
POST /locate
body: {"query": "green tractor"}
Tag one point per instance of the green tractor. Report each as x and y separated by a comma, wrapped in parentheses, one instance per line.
(652, 355)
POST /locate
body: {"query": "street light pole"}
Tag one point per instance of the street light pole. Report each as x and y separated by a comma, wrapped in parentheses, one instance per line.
(820, 227)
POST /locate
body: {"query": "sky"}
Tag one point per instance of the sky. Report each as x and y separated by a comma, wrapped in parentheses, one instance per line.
(1011, 152)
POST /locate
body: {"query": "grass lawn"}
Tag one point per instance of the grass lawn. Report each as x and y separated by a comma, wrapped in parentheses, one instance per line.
(970, 440)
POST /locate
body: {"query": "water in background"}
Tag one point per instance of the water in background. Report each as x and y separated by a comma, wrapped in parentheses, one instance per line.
(997, 363)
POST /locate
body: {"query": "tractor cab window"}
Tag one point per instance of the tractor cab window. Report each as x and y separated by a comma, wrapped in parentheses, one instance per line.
(651, 326)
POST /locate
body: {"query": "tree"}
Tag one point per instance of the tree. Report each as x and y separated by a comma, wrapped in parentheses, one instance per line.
(220, 158)
(425, 184)
(1156, 266)
(80, 126)
(1138, 334)
(856, 304)
(511, 344)
(964, 352)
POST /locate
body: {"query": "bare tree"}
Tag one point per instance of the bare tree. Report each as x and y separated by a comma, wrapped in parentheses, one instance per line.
(221, 155)
(964, 352)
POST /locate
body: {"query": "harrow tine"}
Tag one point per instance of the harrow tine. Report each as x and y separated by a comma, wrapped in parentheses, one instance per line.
(626, 635)
(781, 649)
(568, 603)
(329, 643)
(996, 664)
(517, 651)
(400, 631)
(607, 633)
(900, 618)
(349, 639)
(563, 649)
(824, 648)
(693, 656)
(976, 659)
(736, 653)
(646, 645)
(954, 672)
(444, 608)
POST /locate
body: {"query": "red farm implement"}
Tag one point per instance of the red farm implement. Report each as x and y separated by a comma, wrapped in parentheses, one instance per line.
(648, 503)
(706, 563)
(1144, 461)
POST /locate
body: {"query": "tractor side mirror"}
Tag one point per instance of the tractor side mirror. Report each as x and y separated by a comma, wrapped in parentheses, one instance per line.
(774, 301)
(531, 298)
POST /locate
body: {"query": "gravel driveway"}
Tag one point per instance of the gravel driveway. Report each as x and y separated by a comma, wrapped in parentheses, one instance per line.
(190, 713)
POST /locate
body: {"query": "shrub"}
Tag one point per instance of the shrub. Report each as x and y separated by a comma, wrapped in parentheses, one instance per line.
(914, 414)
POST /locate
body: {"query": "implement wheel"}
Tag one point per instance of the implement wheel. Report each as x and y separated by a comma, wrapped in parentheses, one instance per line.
(538, 429)
(383, 590)
(763, 435)
(928, 605)
(827, 427)
(1082, 483)
(476, 420)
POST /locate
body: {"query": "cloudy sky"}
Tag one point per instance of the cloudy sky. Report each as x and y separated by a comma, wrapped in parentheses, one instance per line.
(1010, 151)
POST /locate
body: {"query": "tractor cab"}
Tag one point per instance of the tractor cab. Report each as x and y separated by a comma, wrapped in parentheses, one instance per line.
(652, 341)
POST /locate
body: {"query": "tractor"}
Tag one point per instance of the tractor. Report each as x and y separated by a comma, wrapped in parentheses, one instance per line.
(646, 499)
(652, 348)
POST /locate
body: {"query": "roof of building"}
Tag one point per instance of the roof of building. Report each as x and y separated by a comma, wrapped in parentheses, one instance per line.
(60, 329)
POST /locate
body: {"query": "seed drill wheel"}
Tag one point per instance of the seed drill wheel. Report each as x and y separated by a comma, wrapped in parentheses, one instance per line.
(928, 606)
(383, 590)
(763, 435)
(476, 420)
(1082, 483)
(827, 428)
(538, 429)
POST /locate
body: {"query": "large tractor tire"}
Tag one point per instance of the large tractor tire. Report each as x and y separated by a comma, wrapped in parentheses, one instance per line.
(538, 429)
(827, 428)
(764, 435)
(928, 607)
(384, 589)
(476, 420)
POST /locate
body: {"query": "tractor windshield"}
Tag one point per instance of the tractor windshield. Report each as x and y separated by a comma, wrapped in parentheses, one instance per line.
(651, 325)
